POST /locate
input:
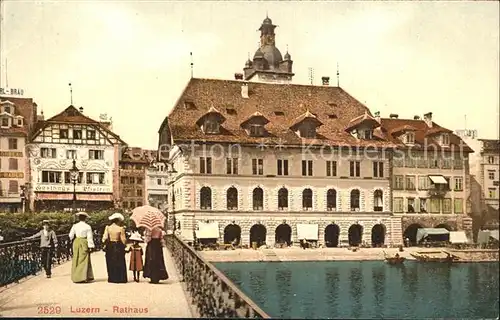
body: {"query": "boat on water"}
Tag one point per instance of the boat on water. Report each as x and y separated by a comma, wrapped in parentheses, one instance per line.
(433, 257)
(396, 259)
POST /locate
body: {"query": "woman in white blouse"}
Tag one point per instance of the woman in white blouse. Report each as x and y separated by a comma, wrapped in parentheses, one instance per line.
(81, 268)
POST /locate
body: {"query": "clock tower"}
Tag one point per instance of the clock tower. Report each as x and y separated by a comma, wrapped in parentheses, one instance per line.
(268, 65)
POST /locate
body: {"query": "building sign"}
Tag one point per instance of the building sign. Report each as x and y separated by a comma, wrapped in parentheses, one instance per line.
(12, 91)
(69, 188)
(11, 154)
(12, 175)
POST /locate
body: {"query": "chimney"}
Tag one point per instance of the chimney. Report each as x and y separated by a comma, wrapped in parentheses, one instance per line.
(325, 80)
(428, 119)
(244, 90)
(377, 116)
(80, 109)
(238, 76)
(393, 116)
(416, 117)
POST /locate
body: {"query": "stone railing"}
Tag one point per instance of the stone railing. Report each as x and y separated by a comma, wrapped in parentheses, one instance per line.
(21, 259)
(211, 292)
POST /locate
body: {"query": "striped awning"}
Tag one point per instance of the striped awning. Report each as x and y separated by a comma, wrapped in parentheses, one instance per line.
(208, 230)
(307, 231)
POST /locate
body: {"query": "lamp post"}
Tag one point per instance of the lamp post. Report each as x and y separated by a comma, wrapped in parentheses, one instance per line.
(23, 198)
(170, 184)
(74, 173)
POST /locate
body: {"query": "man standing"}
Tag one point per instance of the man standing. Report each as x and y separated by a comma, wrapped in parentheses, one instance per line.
(81, 268)
(48, 241)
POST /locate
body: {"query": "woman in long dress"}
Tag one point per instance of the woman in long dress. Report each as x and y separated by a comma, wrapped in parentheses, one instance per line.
(114, 241)
(154, 266)
(81, 267)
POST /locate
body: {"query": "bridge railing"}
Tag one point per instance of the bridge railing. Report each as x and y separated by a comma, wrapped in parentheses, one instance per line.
(212, 293)
(21, 259)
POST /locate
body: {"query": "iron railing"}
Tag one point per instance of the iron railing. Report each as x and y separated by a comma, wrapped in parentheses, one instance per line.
(21, 259)
(211, 292)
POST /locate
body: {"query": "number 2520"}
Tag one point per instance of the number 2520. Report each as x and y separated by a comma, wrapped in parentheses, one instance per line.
(49, 309)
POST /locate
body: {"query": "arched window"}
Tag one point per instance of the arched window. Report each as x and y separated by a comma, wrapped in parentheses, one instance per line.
(258, 199)
(378, 200)
(205, 198)
(307, 199)
(282, 199)
(331, 199)
(355, 200)
(232, 199)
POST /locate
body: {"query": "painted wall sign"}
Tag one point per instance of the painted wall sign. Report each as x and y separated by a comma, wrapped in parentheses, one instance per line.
(15, 175)
(11, 154)
(69, 188)
(12, 91)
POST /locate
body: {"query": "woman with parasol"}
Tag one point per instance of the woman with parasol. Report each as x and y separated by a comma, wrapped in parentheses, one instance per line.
(152, 220)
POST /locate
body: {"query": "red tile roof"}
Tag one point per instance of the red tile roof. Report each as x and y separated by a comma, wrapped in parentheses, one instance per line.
(392, 129)
(138, 155)
(71, 115)
(266, 98)
(365, 119)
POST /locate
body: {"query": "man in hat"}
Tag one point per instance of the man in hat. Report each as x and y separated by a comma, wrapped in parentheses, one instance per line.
(48, 241)
(81, 267)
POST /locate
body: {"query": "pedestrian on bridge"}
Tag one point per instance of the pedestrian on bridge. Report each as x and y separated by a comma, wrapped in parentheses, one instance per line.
(48, 241)
(135, 255)
(81, 267)
(114, 241)
(154, 265)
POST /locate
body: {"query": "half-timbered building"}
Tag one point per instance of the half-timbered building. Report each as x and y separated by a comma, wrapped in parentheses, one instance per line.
(96, 149)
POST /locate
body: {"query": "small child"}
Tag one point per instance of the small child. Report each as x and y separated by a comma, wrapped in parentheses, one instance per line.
(135, 255)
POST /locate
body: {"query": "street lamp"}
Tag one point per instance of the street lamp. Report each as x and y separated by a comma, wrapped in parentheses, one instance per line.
(170, 184)
(74, 173)
(23, 198)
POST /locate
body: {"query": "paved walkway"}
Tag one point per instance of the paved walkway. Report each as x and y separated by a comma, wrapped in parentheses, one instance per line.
(58, 296)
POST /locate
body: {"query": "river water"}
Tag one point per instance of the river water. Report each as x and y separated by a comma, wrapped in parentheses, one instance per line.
(369, 289)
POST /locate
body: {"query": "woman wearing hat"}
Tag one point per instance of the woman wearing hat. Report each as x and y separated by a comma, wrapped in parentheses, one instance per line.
(48, 241)
(115, 240)
(81, 267)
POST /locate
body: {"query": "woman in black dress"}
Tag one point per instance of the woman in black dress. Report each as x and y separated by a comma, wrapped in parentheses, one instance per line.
(154, 267)
(114, 240)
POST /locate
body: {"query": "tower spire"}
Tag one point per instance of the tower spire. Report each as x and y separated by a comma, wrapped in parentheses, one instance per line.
(338, 75)
(192, 65)
(71, 93)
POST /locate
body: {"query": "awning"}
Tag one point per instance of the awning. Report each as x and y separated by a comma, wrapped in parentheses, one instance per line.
(458, 237)
(207, 230)
(484, 235)
(424, 232)
(307, 231)
(438, 180)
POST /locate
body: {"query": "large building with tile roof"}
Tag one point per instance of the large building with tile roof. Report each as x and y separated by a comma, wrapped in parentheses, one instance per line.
(54, 143)
(17, 117)
(261, 160)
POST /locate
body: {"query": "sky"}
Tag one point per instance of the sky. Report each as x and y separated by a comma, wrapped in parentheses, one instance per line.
(130, 59)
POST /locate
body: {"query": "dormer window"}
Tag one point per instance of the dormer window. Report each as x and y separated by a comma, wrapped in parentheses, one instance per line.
(362, 126)
(211, 121)
(445, 139)
(5, 122)
(211, 127)
(7, 110)
(254, 125)
(20, 122)
(306, 124)
(307, 130)
(366, 134)
(256, 130)
(409, 138)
